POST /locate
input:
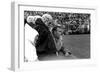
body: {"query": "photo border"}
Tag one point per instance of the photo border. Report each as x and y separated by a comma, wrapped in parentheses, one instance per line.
(16, 58)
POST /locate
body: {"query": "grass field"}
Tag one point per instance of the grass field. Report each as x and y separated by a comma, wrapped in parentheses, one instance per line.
(79, 45)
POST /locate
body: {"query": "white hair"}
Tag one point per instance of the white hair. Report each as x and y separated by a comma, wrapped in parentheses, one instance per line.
(32, 18)
(46, 18)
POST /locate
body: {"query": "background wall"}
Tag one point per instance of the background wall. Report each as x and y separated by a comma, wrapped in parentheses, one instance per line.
(5, 32)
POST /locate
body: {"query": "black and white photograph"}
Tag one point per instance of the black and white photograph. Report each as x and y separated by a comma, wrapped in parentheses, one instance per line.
(50, 35)
(45, 37)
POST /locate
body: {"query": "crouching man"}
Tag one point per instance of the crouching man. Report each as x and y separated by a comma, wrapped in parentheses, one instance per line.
(58, 37)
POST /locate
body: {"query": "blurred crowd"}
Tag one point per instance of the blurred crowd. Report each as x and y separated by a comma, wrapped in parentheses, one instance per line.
(71, 23)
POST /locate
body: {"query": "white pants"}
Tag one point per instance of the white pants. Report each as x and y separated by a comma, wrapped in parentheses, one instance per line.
(30, 51)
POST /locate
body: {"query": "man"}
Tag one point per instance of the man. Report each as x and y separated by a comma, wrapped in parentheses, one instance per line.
(48, 20)
(58, 35)
(30, 35)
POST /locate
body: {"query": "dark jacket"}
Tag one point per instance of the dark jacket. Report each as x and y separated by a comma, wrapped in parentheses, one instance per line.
(45, 42)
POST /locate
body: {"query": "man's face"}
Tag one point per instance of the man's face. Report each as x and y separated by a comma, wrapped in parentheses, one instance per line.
(59, 31)
(49, 24)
